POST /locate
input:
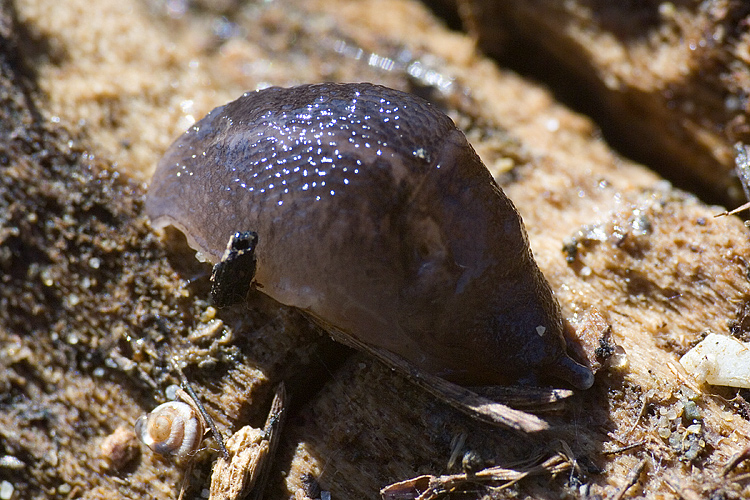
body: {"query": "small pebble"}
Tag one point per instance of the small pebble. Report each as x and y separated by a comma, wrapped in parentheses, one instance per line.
(119, 448)
(675, 441)
(208, 314)
(692, 412)
(11, 462)
(619, 360)
(6, 490)
(694, 429)
(171, 392)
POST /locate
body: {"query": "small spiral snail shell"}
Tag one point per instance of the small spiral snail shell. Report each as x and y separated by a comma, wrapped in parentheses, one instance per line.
(375, 216)
(173, 429)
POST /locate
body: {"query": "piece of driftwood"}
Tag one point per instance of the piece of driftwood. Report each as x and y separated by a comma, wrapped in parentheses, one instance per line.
(677, 69)
(90, 295)
(245, 474)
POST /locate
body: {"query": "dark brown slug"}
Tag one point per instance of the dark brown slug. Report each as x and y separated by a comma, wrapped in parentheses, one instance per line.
(374, 215)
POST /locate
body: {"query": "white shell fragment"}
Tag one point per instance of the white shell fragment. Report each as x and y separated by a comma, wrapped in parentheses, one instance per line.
(251, 452)
(249, 449)
(719, 360)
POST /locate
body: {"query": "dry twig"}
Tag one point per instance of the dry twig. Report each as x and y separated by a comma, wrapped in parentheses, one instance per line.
(429, 487)
(632, 478)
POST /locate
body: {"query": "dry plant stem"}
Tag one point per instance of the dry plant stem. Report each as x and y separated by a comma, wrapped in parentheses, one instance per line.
(632, 478)
(537, 399)
(478, 407)
(624, 448)
(460, 398)
(441, 485)
(206, 417)
(185, 479)
(742, 168)
(641, 412)
(272, 430)
(734, 211)
(735, 461)
(741, 477)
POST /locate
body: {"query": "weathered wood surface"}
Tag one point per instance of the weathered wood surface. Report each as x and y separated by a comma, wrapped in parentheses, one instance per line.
(668, 81)
(92, 303)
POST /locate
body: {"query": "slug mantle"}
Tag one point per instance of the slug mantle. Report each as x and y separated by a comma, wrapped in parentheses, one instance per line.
(376, 217)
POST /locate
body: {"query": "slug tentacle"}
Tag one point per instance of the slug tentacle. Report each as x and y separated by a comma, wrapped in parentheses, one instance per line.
(577, 375)
(374, 215)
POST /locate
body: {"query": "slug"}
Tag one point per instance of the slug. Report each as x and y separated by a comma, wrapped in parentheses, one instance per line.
(375, 216)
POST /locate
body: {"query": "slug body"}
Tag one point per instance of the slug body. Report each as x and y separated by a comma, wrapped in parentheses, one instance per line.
(375, 216)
